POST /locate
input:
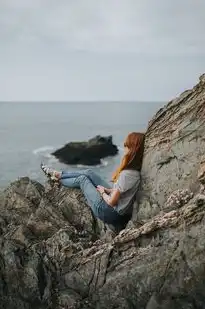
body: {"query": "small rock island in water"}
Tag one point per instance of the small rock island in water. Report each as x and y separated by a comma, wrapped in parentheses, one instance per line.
(87, 153)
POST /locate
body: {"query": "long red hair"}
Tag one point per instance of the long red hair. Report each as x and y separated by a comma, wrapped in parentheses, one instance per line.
(133, 158)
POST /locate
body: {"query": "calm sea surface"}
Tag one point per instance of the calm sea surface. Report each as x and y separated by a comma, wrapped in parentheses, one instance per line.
(29, 132)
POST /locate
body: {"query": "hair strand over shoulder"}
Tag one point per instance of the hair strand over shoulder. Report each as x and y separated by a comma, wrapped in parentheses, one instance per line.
(133, 158)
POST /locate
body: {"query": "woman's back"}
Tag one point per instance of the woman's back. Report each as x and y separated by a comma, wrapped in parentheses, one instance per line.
(128, 184)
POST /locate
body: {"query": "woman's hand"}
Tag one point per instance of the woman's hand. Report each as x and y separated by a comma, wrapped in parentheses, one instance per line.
(112, 199)
(101, 189)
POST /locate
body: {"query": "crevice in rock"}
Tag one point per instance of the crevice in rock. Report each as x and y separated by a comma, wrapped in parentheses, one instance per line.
(95, 228)
(166, 161)
(176, 246)
(98, 266)
(94, 282)
(21, 254)
(183, 256)
(121, 261)
(93, 273)
(2, 277)
(41, 278)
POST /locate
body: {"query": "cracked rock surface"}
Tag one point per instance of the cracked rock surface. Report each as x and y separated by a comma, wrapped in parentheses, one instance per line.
(55, 255)
(174, 151)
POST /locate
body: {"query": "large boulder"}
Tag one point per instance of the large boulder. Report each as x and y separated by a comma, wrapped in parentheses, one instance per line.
(157, 266)
(87, 153)
(37, 226)
(174, 151)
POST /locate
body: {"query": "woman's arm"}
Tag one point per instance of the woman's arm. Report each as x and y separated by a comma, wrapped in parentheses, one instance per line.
(112, 199)
(102, 189)
(108, 190)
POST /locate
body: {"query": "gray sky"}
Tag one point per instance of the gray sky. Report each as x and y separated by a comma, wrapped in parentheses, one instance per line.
(100, 49)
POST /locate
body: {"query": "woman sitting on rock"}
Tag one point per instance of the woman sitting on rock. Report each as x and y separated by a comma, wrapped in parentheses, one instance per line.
(113, 205)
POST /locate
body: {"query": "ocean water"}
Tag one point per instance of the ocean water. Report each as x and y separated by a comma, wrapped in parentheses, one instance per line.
(29, 132)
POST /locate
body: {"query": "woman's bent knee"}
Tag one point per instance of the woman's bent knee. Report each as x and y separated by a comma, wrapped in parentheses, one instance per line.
(89, 171)
(82, 178)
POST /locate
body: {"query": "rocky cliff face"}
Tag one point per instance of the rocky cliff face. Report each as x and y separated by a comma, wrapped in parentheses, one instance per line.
(175, 148)
(54, 254)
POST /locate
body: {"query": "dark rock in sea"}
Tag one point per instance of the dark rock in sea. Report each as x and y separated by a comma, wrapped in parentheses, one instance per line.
(87, 153)
(55, 255)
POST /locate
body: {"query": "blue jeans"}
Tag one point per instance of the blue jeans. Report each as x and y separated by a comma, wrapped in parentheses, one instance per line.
(87, 181)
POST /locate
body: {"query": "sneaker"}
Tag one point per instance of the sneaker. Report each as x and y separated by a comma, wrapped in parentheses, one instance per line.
(49, 172)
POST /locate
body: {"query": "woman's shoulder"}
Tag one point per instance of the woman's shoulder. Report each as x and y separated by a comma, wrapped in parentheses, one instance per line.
(126, 173)
(128, 179)
(130, 172)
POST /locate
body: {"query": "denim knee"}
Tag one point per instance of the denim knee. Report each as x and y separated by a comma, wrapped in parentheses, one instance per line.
(89, 171)
(81, 178)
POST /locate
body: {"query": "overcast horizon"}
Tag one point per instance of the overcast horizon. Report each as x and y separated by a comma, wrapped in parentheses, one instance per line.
(82, 101)
(125, 50)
